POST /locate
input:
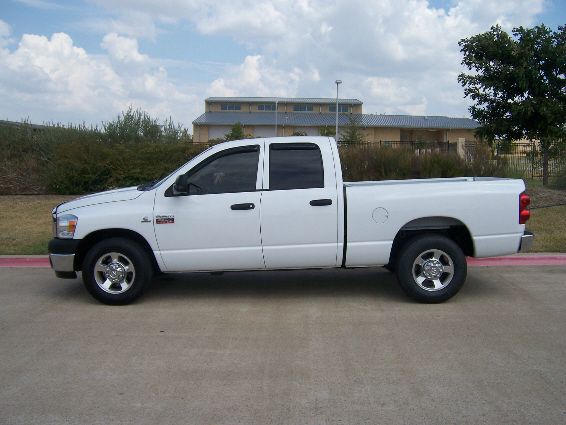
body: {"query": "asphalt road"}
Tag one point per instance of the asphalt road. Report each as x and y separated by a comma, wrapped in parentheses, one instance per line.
(316, 347)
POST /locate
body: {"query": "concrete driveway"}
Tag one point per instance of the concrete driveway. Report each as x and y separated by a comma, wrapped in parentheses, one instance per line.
(316, 347)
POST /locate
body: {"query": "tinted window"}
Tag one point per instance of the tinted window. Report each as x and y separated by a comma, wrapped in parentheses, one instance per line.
(231, 171)
(295, 166)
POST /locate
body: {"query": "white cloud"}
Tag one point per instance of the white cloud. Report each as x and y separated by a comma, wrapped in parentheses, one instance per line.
(134, 24)
(398, 56)
(52, 79)
(256, 78)
(391, 95)
(408, 45)
(57, 70)
(5, 31)
(124, 49)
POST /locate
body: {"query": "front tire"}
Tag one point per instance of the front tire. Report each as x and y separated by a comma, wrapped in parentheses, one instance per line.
(431, 268)
(116, 271)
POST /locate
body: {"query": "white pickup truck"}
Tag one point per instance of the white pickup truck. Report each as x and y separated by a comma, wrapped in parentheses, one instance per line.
(280, 203)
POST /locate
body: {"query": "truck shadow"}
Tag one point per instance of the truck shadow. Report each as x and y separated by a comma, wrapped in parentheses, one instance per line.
(375, 282)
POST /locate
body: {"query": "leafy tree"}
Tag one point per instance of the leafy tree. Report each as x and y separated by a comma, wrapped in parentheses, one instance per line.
(352, 132)
(517, 82)
(236, 132)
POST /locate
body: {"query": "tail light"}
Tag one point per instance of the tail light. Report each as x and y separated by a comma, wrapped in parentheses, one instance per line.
(524, 213)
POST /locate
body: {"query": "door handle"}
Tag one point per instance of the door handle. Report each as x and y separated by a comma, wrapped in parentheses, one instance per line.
(246, 206)
(320, 202)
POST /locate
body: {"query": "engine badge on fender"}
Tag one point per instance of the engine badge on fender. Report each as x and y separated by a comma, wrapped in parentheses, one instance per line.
(164, 219)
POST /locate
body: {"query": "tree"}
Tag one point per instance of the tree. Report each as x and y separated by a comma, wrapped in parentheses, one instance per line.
(299, 133)
(236, 132)
(518, 86)
(352, 131)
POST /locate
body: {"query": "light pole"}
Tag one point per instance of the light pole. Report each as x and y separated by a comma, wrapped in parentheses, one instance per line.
(277, 100)
(338, 82)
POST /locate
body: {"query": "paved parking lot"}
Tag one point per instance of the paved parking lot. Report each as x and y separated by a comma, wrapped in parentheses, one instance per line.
(314, 347)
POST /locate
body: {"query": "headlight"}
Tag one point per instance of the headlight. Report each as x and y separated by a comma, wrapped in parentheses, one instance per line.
(66, 225)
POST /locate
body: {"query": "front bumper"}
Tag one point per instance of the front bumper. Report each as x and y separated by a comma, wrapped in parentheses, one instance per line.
(62, 257)
(526, 241)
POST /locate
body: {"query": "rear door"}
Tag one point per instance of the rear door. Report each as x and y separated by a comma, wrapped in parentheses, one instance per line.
(299, 219)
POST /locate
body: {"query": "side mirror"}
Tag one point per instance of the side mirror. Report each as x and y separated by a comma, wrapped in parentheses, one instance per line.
(180, 188)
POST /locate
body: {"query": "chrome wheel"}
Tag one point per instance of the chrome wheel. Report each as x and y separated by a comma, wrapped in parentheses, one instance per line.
(433, 270)
(114, 273)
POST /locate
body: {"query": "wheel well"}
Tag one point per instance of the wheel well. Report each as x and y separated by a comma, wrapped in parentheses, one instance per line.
(93, 238)
(449, 227)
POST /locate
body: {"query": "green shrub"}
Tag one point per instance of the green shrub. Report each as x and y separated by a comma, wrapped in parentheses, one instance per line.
(135, 148)
(75, 159)
(481, 162)
(92, 167)
(367, 162)
(79, 168)
(436, 164)
(373, 162)
(24, 156)
(137, 126)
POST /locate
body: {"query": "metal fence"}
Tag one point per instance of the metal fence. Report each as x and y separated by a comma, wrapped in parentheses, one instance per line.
(526, 158)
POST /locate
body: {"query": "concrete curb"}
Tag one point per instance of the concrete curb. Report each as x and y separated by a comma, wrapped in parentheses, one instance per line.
(518, 260)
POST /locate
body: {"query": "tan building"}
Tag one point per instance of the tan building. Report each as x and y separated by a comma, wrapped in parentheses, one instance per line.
(266, 116)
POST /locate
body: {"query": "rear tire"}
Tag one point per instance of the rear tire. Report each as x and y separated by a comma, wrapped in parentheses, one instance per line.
(431, 268)
(116, 271)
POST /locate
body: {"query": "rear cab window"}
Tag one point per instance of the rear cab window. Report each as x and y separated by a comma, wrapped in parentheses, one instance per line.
(295, 166)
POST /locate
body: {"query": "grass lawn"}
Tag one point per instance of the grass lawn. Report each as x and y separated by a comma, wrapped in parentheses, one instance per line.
(26, 226)
(26, 223)
(549, 227)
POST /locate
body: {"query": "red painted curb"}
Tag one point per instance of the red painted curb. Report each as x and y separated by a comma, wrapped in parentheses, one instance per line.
(24, 262)
(522, 260)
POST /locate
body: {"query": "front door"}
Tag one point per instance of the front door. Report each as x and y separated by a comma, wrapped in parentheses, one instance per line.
(217, 225)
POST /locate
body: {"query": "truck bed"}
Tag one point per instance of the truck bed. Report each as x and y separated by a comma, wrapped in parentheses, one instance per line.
(378, 210)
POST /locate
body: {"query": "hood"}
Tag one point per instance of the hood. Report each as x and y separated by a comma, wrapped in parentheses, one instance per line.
(116, 195)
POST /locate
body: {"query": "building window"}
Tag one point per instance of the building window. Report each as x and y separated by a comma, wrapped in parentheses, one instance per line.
(266, 107)
(341, 108)
(302, 108)
(230, 107)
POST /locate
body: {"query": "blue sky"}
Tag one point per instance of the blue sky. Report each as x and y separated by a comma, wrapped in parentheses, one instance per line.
(85, 61)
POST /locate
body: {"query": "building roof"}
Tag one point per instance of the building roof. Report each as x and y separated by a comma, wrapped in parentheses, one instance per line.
(310, 119)
(316, 100)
